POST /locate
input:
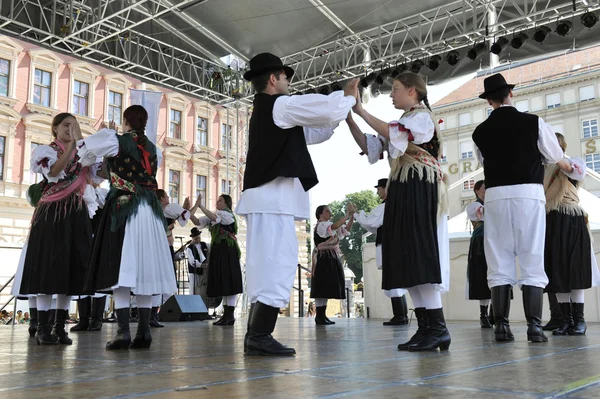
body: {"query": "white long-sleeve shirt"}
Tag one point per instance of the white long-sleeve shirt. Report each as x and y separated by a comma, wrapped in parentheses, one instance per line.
(371, 222)
(190, 255)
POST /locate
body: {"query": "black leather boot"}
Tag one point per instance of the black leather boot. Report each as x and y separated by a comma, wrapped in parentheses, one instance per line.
(98, 305)
(556, 318)
(400, 309)
(501, 303)
(437, 335)
(491, 314)
(59, 332)
(51, 316)
(320, 316)
(228, 318)
(43, 335)
(567, 318)
(484, 319)
(84, 306)
(33, 321)
(260, 341)
(533, 301)
(579, 326)
(123, 337)
(154, 318)
(423, 323)
(248, 326)
(142, 339)
(325, 315)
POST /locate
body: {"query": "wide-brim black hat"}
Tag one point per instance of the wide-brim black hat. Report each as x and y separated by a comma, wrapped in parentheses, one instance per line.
(494, 83)
(266, 62)
(195, 232)
(381, 183)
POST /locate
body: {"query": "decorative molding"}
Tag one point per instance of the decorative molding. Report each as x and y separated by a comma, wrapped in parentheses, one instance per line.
(176, 142)
(47, 61)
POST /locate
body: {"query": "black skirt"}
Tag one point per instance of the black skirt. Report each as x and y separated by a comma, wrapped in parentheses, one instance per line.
(224, 271)
(328, 279)
(477, 268)
(567, 254)
(58, 249)
(409, 242)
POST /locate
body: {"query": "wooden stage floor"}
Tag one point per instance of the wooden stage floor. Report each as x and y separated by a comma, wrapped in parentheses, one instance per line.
(356, 358)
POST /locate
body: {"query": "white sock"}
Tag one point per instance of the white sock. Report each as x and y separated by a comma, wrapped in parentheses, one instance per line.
(320, 302)
(156, 301)
(44, 302)
(122, 297)
(144, 301)
(431, 297)
(577, 296)
(63, 301)
(415, 296)
(562, 297)
(230, 300)
(32, 302)
(484, 302)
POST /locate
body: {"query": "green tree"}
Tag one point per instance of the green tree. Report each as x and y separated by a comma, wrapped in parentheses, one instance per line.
(351, 246)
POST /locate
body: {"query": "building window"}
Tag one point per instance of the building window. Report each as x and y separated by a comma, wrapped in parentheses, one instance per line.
(464, 119)
(444, 152)
(225, 136)
(592, 161)
(468, 184)
(175, 124)
(2, 139)
(553, 100)
(586, 93)
(4, 76)
(201, 188)
(34, 177)
(115, 106)
(174, 186)
(202, 132)
(466, 150)
(42, 87)
(80, 98)
(590, 128)
(225, 187)
(522, 105)
(488, 111)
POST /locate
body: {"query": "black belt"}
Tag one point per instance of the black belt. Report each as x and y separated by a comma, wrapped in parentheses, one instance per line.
(195, 270)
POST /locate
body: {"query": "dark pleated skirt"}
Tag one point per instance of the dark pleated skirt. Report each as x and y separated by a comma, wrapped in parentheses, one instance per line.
(567, 253)
(58, 249)
(409, 242)
(477, 268)
(328, 279)
(224, 271)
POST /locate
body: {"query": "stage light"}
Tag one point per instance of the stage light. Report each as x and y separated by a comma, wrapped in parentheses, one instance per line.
(336, 86)
(325, 90)
(382, 76)
(589, 19)
(541, 34)
(519, 40)
(434, 62)
(499, 45)
(416, 66)
(310, 91)
(367, 80)
(477, 51)
(453, 57)
(563, 28)
(398, 71)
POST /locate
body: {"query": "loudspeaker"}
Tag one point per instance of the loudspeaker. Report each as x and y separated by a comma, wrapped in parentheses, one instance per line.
(183, 308)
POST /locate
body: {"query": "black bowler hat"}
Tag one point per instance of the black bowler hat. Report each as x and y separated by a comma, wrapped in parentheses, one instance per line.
(494, 83)
(381, 183)
(265, 62)
(195, 232)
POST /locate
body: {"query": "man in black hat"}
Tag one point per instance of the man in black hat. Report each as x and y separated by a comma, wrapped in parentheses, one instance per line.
(512, 146)
(373, 223)
(197, 254)
(279, 173)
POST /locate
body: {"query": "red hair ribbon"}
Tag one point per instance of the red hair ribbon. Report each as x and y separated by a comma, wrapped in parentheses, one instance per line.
(145, 157)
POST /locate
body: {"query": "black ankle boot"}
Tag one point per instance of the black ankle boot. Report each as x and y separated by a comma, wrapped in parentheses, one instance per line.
(33, 321)
(556, 318)
(437, 335)
(98, 305)
(43, 335)
(579, 326)
(423, 323)
(260, 341)
(532, 302)
(51, 317)
(228, 318)
(400, 310)
(320, 316)
(483, 317)
(491, 314)
(59, 332)
(154, 318)
(142, 339)
(84, 306)
(567, 320)
(501, 304)
(123, 337)
(325, 316)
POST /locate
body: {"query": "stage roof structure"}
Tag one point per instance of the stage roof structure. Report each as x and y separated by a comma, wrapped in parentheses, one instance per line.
(200, 47)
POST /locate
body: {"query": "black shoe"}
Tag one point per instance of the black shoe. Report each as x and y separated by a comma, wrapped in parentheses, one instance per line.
(567, 319)
(59, 332)
(98, 305)
(325, 315)
(142, 339)
(484, 319)
(33, 321)
(556, 318)
(260, 342)
(123, 337)
(43, 335)
(579, 326)
(228, 318)
(400, 310)
(248, 326)
(532, 303)
(437, 335)
(423, 323)
(154, 318)
(320, 318)
(84, 306)
(501, 304)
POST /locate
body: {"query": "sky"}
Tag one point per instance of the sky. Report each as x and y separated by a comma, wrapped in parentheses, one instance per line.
(340, 168)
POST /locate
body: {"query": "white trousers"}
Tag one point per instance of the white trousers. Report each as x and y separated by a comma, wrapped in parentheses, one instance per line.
(395, 293)
(271, 258)
(515, 227)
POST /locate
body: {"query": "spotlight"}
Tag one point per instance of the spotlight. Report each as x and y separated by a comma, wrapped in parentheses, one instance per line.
(434, 62)
(416, 66)
(519, 40)
(336, 86)
(398, 71)
(477, 51)
(453, 57)
(541, 34)
(563, 28)
(325, 90)
(382, 76)
(499, 45)
(367, 80)
(589, 19)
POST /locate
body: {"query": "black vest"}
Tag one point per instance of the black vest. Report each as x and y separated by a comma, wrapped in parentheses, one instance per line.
(204, 248)
(508, 141)
(274, 152)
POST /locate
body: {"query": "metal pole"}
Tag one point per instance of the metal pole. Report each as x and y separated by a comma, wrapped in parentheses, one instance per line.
(300, 293)
(227, 145)
(348, 302)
